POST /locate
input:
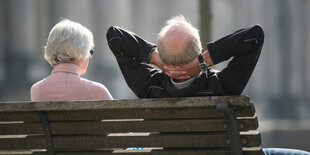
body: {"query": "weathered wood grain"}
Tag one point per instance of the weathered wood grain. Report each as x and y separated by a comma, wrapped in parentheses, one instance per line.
(145, 151)
(190, 102)
(17, 128)
(250, 139)
(140, 140)
(252, 151)
(184, 125)
(18, 116)
(128, 125)
(115, 114)
(24, 152)
(158, 113)
(186, 140)
(15, 142)
(180, 125)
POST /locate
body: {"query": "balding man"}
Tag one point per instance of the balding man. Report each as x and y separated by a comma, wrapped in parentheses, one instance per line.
(184, 70)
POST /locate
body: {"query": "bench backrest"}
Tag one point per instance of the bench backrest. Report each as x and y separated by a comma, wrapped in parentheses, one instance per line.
(157, 126)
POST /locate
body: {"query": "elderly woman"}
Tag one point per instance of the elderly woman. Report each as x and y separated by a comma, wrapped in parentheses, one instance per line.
(68, 49)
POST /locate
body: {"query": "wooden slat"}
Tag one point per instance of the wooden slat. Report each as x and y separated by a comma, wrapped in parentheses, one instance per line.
(122, 114)
(137, 126)
(235, 101)
(252, 151)
(139, 114)
(244, 111)
(18, 116)
(153, 152)
(250, 139)
(149, 140)
(202, 151)
(135, 114)
(22, 142)
(120, 126)
(140, 140)
(145, 151)
(12, 128)
(128, 125)
(23, 152)
(247, 123)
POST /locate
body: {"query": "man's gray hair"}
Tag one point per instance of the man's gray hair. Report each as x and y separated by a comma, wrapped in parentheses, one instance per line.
(68, 41)
(179, 56)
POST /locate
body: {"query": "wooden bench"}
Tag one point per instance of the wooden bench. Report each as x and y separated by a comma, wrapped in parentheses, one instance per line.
(171, 126)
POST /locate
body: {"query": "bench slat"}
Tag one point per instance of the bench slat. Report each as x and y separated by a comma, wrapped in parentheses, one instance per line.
(150, 140)
(136, 114)
(248, 123)
(250, 139)
(124, 141)
(24, 152)
(17, 128)
(143, 114)
(195, 102)
(252, 151)
(146, 151)
(140, 140)
(164, 152)
(19, 116)
(128, 125)
(22, 142)
(162, 113)
(152, 152)
(181, 125)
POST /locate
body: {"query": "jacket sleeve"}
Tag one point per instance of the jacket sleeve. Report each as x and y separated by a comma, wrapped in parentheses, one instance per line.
(244, 46)
(129, 44)
(133, 55)
(236, 44)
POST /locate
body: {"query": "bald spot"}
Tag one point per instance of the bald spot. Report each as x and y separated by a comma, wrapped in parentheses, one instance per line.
(175, 40)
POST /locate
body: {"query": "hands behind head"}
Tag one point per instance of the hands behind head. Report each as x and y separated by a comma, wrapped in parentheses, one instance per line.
(179, 72)
(182, 72)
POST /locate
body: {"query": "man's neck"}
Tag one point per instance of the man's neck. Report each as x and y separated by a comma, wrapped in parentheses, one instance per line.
(182, 83)
(179, 81)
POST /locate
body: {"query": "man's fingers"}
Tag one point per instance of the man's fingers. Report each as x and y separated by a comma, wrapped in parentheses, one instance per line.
(177, 72)
(172, 68)
(177, 75)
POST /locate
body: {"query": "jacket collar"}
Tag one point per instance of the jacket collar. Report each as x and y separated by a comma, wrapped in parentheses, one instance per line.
(196, 85)
(67, 67)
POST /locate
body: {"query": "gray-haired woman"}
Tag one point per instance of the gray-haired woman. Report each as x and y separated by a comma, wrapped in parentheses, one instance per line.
(68, 49)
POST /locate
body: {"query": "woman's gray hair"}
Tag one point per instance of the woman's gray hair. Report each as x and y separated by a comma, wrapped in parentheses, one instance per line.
(192, 49)
(68, 41)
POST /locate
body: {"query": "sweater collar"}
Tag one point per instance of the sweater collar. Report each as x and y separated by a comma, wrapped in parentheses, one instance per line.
(193, 87)
(67, 67)
(180, 85)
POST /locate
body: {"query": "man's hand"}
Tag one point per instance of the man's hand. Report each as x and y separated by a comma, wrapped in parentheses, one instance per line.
(174, 72)
(192, 68)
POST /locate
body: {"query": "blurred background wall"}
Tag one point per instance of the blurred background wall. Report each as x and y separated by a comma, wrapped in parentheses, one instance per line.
(279, 86)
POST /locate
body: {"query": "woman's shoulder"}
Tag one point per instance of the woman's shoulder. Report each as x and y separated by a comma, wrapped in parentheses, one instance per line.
(38, 84)
(37, 89)
(91, 83)
(97, 89)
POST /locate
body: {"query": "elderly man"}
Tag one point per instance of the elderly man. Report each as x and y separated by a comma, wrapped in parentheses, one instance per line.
(184, 68)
